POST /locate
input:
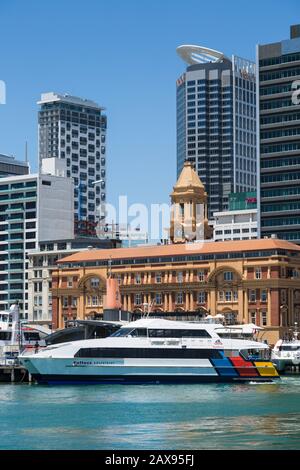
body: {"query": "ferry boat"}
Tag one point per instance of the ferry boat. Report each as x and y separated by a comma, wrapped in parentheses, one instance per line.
(151, 351)
(10, 332)
(286, 353)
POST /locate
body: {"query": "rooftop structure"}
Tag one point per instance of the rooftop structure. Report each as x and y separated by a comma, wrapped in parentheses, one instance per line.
(187, 249)
(9, 166)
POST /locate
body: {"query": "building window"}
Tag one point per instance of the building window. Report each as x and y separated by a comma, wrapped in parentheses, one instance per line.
(95, 301)
(201, 277)
(65, 302)
(119, 279)
(158, 299)
(74, 301)
(138, 278)
(253, 316)
(264, 318)
(95, 282)
(228, 276)
(70, 282)
(158, 278)
(180, 276)
(283, 296)
(258, 273)
(38, 287)
(228, 296)
(252, 295)
(201, 297)
(235, 295)
(221, 296)
(263, 296)
(179, 298)
(138, 299)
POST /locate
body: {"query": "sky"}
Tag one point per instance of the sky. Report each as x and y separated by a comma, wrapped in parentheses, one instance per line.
(121, 54)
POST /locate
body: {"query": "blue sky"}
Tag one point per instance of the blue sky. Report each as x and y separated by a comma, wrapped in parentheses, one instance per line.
(122, 54)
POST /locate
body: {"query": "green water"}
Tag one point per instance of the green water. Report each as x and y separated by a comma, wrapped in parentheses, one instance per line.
(214, 416)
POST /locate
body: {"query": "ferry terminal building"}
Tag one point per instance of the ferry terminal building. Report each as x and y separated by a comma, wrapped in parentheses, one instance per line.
(246, 281)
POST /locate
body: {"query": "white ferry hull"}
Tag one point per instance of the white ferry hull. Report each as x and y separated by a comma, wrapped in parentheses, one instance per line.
(88, 371)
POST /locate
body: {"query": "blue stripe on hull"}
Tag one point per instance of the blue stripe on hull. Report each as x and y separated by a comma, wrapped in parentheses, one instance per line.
(140, 380)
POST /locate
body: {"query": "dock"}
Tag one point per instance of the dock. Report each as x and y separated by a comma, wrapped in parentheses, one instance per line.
(13, 372)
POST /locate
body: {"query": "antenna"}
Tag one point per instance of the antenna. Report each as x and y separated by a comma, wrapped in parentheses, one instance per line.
(26, 152)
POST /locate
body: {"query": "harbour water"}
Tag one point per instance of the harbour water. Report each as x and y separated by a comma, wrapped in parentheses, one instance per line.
(214, 416)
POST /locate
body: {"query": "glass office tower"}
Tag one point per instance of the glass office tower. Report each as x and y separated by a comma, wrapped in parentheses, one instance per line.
(216, 122)
(279, 137)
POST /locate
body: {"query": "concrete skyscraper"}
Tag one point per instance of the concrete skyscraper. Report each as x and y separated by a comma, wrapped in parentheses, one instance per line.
(216, 122)
(278, 77)
(72, 142)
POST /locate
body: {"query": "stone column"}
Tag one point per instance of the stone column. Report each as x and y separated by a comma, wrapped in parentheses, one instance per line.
(81, 306)
(213, 304)
(208, 300)
(242, 314)
(246, 306)
(170, 302)
(291, 316)
(187, 301)
(269, 307)
(191, 301)
(129, 305)
(165, 302)
(125, 302)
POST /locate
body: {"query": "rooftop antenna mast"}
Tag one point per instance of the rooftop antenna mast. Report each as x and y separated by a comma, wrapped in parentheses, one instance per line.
(26, 152)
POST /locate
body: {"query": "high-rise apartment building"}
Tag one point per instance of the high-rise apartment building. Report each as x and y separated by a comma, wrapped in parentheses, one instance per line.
(216, 122)
(278, 78)
(9, 166)
(74, 130)
(33, 208)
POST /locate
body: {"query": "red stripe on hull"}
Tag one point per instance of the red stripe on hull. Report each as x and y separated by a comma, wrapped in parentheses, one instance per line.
(244, 368)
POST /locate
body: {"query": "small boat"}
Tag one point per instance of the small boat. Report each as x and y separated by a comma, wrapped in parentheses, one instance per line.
(286, 353)
(153, 351)
(16, 336)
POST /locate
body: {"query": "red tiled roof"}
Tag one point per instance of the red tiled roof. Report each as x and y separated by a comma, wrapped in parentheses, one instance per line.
(181, 249)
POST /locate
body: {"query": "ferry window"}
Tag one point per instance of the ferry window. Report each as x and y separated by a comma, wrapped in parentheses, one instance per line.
(231, 353)
(146, 353)
(156, 333)
(31, 336)
(123, 332)
(140, 332)
(290, 348)
(254, 354)
(5, 335)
